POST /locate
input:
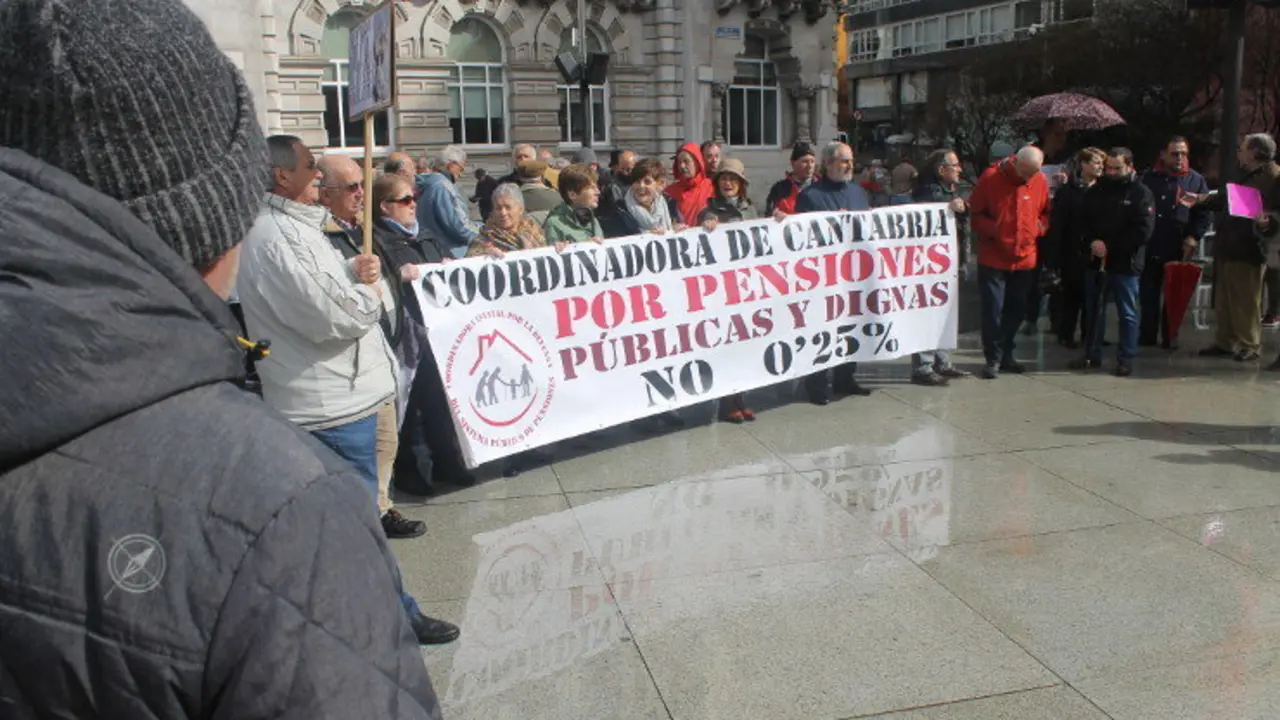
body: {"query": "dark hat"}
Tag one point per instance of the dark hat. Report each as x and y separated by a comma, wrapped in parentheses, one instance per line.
(135, 100)
(585, 156)
(800, 150)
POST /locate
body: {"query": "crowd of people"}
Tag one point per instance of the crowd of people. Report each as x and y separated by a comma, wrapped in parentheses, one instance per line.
(175, 547)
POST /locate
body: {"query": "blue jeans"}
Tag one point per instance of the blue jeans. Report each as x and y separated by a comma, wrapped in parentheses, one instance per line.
(1123, 290)
(923, 363)
(1004, 306)
(356, 442)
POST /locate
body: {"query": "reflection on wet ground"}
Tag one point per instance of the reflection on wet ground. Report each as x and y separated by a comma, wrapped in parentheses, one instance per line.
(1053, 546)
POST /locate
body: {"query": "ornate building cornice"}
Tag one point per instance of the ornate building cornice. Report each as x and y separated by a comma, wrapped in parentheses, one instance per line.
(814, 10)
(624, 5)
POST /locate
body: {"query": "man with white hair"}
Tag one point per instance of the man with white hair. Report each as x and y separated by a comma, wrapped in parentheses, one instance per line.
(835, 191)
(522, 152)
(1240, 250)
(1009, 212)
(443, 212)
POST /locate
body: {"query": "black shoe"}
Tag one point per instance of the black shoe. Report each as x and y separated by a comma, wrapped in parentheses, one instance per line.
(989, 372)
(1083, 364)
(932, 379)
(954, 373)
(820, 400)
(1215, 352)
(399, 527)
(1248, 356)
(851, 388)
(1124, 370)
(1013, 366)
(431, 631)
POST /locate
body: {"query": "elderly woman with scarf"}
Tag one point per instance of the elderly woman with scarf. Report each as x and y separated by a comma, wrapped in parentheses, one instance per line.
(508, 228)
(730, 204)
(644, 209)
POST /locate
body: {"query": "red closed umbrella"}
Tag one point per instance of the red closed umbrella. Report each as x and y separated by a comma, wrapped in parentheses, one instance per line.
(1180, 282)
(1076, 111)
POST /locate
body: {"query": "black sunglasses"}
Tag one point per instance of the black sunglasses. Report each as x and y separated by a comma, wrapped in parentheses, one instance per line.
(406, 200)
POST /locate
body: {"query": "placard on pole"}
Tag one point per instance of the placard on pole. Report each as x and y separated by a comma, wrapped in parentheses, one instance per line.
(371, 89)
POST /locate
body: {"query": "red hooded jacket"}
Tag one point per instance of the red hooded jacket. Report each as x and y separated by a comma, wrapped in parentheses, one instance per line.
(1008, 216)
(691, 194)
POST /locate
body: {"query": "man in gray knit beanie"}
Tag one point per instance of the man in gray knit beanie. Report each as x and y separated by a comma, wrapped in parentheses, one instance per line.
(170, 549)
(135, 100)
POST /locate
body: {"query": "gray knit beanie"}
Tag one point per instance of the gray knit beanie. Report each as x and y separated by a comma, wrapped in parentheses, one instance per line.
(134, 99)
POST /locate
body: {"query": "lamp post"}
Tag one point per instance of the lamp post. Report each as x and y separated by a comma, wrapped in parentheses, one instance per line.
(584, 85)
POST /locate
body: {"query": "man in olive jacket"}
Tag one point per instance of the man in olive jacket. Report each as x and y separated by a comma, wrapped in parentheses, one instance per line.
(1239, 256)
(170, 549)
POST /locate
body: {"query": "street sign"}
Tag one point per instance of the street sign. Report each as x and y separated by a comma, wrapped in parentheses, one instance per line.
(728, 32)
(371, 53)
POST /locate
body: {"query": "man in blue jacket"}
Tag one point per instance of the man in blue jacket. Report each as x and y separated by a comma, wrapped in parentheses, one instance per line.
(1180, 226)
(835, 191)
(443, 213)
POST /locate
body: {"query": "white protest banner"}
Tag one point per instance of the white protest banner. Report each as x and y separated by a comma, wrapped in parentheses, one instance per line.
(542, 346)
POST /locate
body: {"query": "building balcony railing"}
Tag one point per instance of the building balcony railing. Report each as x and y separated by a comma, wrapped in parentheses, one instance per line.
(854, 7)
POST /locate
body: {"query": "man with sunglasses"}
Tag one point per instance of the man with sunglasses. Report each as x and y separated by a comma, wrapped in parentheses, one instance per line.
(1180, 225)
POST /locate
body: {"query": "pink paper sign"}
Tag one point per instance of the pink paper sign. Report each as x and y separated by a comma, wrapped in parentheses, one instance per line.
(1243, 201)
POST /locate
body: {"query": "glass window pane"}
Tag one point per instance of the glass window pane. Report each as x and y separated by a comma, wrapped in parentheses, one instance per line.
(565, 117)
(497, 131)
(330, 73)
(332, 116)
(599, 117)
(455, 114)
(755, 118)
(354, 132)
(453, 74)
(473, 102)
(381, 129)
(496, 102)
(734, 127)
(495, 75)
(472, 40)
(335, 41)
(746, 73)
(770, 74)
(473, 74)
(771, 133)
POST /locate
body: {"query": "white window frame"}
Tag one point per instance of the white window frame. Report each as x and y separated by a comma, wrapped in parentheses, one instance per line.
(461, 85)
(339, 67)
(746, 91)
(566, 98)
(865, 45)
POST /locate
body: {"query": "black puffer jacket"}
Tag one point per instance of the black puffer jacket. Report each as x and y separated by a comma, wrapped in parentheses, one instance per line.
(169, 547)
(1122, 214)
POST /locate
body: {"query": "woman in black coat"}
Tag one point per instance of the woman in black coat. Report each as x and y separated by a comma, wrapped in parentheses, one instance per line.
(1066, 248)
(429, 449)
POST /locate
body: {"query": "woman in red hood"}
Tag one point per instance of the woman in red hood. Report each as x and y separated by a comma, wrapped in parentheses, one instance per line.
(693, 188)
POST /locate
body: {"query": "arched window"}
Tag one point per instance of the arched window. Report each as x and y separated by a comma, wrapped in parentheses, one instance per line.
(477, 84)
(753, 113)
(571, 97)
(344, 133)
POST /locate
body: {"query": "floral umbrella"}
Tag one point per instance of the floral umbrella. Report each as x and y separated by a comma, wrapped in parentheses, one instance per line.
(1077, 112)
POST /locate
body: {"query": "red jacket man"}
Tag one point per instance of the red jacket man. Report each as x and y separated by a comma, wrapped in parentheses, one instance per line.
(1009, 211)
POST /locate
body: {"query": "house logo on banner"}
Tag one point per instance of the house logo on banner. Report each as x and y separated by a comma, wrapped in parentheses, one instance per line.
(499, 378)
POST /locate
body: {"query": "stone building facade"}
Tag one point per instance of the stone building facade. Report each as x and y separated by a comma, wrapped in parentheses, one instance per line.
(757, 74)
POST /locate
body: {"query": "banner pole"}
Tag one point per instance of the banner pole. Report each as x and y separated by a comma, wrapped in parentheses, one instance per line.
(368, 184)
